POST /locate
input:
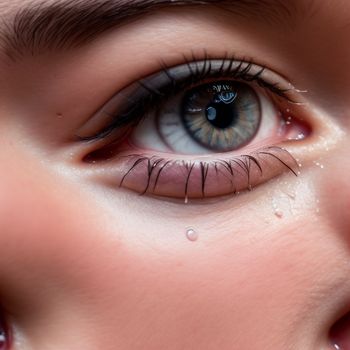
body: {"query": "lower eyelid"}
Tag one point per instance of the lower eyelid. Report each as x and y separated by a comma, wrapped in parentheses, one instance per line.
(199, 179)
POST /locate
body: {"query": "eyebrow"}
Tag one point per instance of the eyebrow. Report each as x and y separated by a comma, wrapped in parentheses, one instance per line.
(43, 27)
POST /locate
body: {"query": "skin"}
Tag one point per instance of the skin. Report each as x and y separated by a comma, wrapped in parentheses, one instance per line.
(87, 266)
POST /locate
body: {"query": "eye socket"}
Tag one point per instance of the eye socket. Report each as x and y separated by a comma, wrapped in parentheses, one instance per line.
(202, 129)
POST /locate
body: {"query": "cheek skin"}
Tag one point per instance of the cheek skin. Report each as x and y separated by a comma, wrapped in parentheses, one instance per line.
(109, 273)
(86, 267)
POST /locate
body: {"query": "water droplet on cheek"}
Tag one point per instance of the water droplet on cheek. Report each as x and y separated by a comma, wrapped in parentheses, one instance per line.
(291, 195)
(279, 213)
(318, 164)
(318, 206)
(192, 235)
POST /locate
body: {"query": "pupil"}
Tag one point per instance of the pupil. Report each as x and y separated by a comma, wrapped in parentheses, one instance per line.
(221, 114)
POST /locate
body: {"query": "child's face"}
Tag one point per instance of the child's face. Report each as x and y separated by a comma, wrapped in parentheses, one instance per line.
(88, 263)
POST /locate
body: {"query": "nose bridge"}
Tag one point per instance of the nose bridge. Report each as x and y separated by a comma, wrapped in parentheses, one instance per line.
(333, 190)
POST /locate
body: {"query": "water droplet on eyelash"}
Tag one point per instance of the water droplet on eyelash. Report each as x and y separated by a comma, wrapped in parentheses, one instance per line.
(192, 235)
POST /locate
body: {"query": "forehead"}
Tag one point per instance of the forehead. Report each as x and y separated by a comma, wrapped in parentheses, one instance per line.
(24, 21)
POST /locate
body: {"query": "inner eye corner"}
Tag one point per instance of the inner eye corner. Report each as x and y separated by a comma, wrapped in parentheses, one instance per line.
(339, 333)
(5, 331)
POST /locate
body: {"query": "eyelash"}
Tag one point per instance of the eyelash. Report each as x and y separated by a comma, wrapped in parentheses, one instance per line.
(230, 168)
(202, 72)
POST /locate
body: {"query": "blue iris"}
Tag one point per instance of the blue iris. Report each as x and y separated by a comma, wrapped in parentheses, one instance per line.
(223, 116)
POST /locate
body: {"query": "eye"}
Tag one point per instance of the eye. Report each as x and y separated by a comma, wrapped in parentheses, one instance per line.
(202, 129)
(221, 116)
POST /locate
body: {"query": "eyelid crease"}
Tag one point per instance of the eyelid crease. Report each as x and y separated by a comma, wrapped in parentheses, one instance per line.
(134, 101)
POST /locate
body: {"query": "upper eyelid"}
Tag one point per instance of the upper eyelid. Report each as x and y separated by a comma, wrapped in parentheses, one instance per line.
(230, 68)
(153, 86)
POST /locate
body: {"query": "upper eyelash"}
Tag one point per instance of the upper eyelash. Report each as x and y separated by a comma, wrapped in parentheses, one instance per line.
(241, 72)
(199, 74)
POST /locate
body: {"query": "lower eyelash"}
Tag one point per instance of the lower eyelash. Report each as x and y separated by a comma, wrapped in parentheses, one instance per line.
(204, 179)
